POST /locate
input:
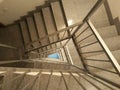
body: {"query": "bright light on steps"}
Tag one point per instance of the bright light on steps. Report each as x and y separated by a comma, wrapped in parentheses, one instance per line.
(32, 73)
(46, 72)
(70, 22)
(1, 72)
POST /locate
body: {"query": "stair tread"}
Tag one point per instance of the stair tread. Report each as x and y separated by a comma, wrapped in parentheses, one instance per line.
(109, 42)
(32, 31)
(40, 27)
(49, 22)
(116, 54)
(113, 42)
(58, 16)
(108, 31)
(105, 34)
(24, 32)
(113, 77)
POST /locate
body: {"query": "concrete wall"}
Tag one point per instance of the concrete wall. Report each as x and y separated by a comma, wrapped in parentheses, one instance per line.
(74, 54)
(10, 36)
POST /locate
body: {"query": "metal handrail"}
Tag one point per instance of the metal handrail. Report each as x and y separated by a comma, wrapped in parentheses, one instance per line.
(104, 46)
(8, 46)
(56, 33)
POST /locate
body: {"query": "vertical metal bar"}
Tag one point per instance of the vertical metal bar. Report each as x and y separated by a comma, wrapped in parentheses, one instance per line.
(60, 82)
(62, 57)
(90, 82)
(106, 80)
(32, 82)
(22, 36)
(66, 55)
(20, 54)
(64, 81)
(17, 88)
(70, 58)
(77, 81)
(99, 81)
(49, 80)
(38, 76)
(63, 51)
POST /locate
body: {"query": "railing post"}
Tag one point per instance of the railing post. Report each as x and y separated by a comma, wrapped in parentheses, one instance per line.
(66, 55)
(70, 58)
(20, 54)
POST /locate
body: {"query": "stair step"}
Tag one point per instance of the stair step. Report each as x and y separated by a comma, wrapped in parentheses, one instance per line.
(53, 85)
(71, 82)
(40, 27)
(106, 32)
(58, 16)
(103, 87)
(97, 47)
(32, 31)
(109, 76)
(116, 54)
(100, 18)
(109, 31)
(43, 81)
(25, 34)
(113, 43)
(49, 23)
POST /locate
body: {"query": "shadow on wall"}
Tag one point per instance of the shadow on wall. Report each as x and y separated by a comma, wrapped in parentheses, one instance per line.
(55, 56)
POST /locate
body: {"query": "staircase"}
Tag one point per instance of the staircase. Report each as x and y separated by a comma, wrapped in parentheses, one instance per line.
(88, 51)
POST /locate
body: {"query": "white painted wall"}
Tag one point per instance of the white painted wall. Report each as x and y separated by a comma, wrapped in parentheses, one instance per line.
(74, 54)
(11, 10)
(115, 7)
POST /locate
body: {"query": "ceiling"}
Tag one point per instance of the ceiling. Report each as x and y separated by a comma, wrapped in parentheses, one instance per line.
(11, 10)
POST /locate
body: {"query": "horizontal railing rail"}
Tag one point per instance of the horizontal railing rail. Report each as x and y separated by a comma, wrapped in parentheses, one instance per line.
(78, 78)
(8, 46)
(56, 33)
